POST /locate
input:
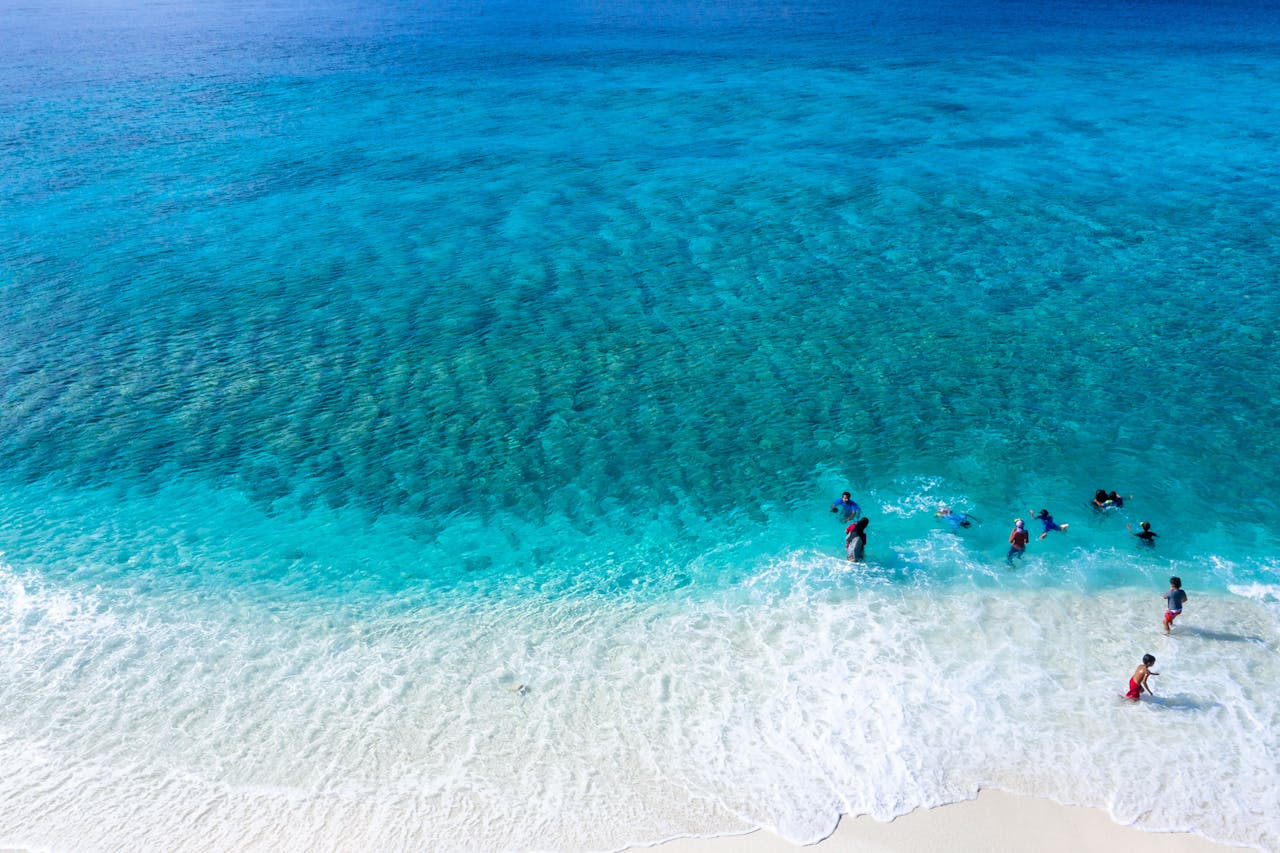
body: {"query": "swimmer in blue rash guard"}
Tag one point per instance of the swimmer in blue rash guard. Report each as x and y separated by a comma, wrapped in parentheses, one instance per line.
(955, 519)
(848, 510)
(1047, 520)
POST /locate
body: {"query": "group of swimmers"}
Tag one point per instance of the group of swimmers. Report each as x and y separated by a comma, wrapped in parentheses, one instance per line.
(855, 543)
(1102, 501)
(855, 535)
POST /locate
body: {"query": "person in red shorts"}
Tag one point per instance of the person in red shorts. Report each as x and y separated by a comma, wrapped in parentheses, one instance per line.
(1138, 681)
(1174, 599)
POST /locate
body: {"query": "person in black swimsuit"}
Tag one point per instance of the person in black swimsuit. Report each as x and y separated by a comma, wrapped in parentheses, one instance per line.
(1146, 536)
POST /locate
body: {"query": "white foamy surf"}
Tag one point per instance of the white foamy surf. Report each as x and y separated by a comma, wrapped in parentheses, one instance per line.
(590, 723)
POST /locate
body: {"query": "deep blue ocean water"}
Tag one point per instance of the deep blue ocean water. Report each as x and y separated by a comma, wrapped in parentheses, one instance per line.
(362, 363)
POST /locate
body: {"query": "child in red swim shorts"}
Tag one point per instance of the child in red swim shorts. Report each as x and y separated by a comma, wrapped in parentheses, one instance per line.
(1138, 681)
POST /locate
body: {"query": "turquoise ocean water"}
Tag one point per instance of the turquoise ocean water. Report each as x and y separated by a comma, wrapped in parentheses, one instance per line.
(419, 418)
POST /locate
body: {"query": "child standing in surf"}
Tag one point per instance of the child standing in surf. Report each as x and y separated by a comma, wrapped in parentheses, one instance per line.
(1138, 681)
(1174, 599)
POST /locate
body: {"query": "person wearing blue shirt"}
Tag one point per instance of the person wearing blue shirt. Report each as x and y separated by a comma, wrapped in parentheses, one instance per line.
(1047, 520)
(1175, 598)
(846, 507)
(955, 519)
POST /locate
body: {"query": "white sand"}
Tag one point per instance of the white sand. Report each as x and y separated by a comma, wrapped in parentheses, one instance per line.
(995, 822)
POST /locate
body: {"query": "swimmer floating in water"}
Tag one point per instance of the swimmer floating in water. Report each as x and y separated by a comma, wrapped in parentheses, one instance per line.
(1104, 500)
(1146, 536)
(846, 507)
(955, 519)
(1049, 524)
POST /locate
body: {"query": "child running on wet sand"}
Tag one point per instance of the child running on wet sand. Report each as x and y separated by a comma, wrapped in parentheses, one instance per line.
(1138, 682)
(1047, 520)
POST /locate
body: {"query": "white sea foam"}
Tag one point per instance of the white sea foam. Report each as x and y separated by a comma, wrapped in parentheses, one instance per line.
(590, 723)
(1267, 595)
(1260, 591)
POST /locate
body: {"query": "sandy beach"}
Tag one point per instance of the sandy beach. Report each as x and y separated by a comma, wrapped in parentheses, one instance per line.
(995, 822)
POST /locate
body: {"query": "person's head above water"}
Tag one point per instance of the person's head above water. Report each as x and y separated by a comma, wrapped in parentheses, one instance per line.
(862, 524)
(1175, 582)
(1042, 513)
(1145, 525)
(1148, 659)
(1017, 522)
(1100, 495)
(846, 496)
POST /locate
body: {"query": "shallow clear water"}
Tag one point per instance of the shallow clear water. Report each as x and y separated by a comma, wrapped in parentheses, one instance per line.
(361, 364)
